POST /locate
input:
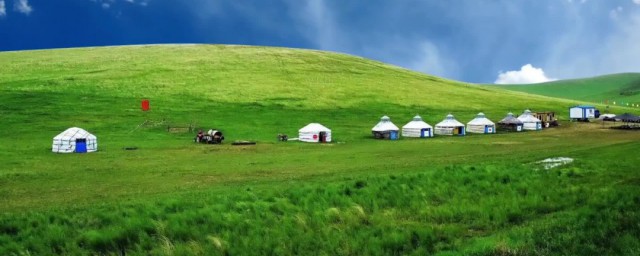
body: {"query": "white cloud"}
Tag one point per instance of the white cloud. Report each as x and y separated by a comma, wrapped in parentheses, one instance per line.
(22, 6)
(528, 74)
(106, 5)
(3, 10)
(636, 2)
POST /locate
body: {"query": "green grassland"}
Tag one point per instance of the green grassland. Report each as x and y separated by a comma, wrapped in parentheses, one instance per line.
(619, 88)
(478, 194)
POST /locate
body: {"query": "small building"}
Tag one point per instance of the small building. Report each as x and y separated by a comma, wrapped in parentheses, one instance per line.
(481, 124)
(417, 128)
(74, 140)
(547, 118)
(314, 132)
(385, 129)
(510, 124)
(583, 113)
(530, 122)
(450, 126)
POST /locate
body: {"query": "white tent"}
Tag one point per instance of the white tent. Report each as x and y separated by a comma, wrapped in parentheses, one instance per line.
(417, 128)
(384, 125)
(314, 132)
(529, 121)
(481, 124)
(450, 126)
(74, 140)
(385, 129)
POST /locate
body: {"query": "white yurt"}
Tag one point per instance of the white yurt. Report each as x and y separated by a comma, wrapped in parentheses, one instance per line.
(481, 124)
(530, 122)
(450, 126)
(74, 140)
(385, 129)
(314, 132)
(417, 128)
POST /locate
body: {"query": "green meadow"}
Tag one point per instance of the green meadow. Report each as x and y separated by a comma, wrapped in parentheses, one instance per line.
(472, 195)
(619, 88)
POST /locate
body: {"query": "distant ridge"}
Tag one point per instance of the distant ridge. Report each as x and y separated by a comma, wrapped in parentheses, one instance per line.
(620, 88)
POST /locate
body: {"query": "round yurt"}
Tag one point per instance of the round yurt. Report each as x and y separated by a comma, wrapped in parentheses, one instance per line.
(450, 126)
(74, 140)
(530, 122)
(510, 124)
(385, 129)
(481, 124)
(417, 128)
(314, 132)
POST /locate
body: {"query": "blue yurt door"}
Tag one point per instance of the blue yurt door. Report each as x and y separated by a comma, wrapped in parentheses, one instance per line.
(488, 129)
(425, 133)
(393, 135)
(81, 145)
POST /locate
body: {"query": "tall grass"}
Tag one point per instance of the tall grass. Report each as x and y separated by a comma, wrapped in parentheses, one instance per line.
(479, 210)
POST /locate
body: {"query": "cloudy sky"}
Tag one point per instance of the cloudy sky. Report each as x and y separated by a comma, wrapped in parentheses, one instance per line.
(481, 41)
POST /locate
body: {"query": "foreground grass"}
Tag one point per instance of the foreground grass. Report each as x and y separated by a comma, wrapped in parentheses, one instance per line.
(586, 208)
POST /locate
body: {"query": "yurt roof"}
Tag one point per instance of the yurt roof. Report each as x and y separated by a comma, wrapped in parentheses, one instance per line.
(528, 117)
(385, 124)
(417, 123)
(74, 133)
(510, 119)
(481, 119)
(450, 121)
(314, 127)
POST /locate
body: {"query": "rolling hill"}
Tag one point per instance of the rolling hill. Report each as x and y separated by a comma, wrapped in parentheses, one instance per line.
(478, 194)
(617, 88)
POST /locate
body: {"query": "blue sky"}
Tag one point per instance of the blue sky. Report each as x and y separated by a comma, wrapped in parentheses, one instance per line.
(482, 41)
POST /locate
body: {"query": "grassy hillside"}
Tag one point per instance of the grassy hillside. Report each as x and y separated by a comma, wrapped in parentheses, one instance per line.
(619, 88)
(477, 194)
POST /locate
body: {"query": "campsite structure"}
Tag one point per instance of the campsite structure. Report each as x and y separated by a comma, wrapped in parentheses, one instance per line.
(385, 129)
(530, 122)
(417, 128)
(74, 140)
(450, 126)
(547, 118)
(510, 123)
(314, 132)
(583, 113)
(481, 124)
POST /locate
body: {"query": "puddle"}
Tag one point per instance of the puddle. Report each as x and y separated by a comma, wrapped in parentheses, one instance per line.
(550, 163)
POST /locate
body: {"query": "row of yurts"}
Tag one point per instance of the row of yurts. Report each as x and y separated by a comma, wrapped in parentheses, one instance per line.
(80, 141)
(417, 128)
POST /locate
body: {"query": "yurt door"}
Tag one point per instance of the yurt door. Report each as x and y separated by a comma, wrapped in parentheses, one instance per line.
(323, 137)
(488, 129)
(81, 145)
(393, 135)
(424, 133)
